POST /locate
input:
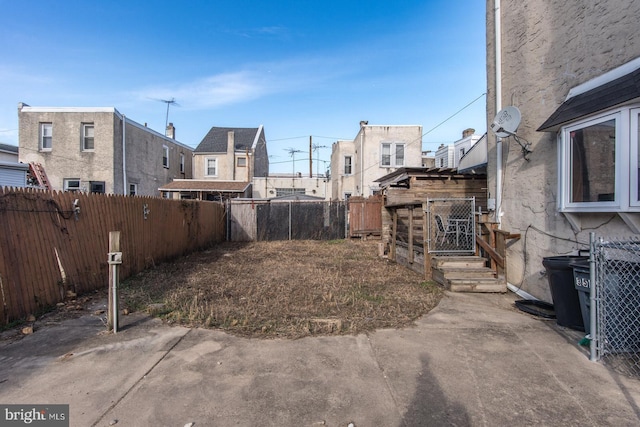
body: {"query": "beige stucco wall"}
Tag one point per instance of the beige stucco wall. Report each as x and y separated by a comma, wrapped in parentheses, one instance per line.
(548, 47)
(265, 187)
(66, 159)
(365, 151)
(228, 169)
(367, 163)
(340, 182)
(144, 150)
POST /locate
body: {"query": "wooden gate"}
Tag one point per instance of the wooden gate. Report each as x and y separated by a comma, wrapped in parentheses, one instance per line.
(365, 216)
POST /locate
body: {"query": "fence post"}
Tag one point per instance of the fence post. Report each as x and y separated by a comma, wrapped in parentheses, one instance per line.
(394, 234)
(425, 242)
(593, 356)
(114, 260)
(410, 248)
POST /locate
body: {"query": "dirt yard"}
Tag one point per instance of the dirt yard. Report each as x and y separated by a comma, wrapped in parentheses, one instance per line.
(286, 289)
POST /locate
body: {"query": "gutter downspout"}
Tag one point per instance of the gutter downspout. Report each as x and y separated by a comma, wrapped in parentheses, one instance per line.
(361, 161)
(124, 155)
(498, 77)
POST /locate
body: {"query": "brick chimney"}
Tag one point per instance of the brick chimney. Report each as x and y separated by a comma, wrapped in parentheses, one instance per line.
(170, 131)
(468, 132)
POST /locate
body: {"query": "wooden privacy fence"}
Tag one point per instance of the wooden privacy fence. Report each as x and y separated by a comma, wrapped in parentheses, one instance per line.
(54, 242)
(266, 220)
(365, 216)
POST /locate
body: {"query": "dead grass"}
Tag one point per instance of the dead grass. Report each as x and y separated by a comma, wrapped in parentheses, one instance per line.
(284, 289)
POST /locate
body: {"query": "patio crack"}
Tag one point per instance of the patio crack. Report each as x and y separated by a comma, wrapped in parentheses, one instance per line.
(121, 398)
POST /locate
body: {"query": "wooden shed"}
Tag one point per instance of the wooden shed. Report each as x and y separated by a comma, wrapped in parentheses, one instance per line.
(406, 192)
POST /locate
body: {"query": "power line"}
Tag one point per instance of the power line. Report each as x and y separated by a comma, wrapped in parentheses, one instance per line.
(453, 115)
(376, 164)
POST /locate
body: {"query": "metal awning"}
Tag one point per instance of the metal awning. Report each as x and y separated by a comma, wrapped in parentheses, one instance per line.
(614, 88)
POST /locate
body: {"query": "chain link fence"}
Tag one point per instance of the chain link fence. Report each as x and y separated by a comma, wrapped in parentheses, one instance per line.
(451, 225)
(617, 296)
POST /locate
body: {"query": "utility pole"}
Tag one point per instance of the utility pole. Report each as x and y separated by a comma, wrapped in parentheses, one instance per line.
(310, 156)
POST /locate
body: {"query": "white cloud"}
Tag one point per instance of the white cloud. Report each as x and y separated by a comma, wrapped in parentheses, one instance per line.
(252, 83)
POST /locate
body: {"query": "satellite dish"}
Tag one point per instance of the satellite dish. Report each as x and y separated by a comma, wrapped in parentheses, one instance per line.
(506, 122)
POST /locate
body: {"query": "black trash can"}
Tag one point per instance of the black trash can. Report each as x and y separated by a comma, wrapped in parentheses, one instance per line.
(566, 302)
(582, 283)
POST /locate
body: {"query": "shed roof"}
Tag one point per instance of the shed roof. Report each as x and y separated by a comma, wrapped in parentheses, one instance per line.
(215, 141)
(426, 173)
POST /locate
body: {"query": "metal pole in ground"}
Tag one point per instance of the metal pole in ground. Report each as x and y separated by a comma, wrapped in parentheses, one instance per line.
(592, 298)
(114, 260)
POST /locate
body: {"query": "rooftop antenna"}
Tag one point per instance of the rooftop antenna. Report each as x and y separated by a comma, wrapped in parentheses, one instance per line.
(317, 148)
(292, 152)
(169, 102)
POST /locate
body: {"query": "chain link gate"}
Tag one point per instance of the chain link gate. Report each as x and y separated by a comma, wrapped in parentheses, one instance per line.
(451, 225)
(617, 296)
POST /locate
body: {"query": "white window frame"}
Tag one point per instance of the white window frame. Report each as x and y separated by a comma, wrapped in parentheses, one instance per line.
(206, 166)
(393, 161)
(67, 187)
(85, 138)
(165, 156)
(133, 189)
(46, 126)
(348, 161)
(626, 162)
(182, 162)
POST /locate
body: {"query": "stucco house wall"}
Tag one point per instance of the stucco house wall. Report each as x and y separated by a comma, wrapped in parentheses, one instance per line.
(342, 182)
(547, 48)
(144, 154)
(66, 159)
(367, 156)
(267, 187)
(240, 154)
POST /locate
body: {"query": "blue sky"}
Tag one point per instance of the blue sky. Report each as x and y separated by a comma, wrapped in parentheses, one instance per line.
(300, 68)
